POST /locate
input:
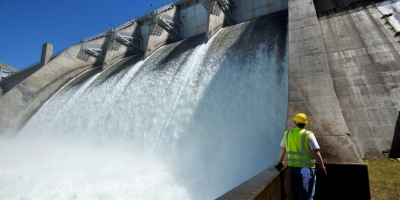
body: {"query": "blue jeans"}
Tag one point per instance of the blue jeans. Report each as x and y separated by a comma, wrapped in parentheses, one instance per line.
(298, 191)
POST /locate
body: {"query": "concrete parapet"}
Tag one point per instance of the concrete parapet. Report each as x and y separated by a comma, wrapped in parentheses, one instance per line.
(269, 184)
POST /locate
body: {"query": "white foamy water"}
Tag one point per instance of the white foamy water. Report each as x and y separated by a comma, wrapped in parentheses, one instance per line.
(53, 169)
(190, 122)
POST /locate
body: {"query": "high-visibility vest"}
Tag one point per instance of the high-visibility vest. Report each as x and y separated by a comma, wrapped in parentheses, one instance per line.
(297, 148)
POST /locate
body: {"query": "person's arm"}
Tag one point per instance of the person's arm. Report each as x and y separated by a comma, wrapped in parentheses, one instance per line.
(318, 158)
(315, 151)
(320, 162)
(280, 165)
(282, 155)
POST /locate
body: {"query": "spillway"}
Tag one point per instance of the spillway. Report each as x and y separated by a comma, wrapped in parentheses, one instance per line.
(191, 121)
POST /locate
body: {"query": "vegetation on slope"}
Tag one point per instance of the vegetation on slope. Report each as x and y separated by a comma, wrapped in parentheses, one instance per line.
(384, 178)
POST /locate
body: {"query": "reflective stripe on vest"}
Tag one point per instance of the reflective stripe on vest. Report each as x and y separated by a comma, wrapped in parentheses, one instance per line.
(302, 158)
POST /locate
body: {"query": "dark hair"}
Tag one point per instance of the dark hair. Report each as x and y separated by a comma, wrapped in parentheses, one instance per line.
(300, 125)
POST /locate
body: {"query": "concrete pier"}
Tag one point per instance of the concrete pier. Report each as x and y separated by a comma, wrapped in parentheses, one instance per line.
(164, 26)
(47, 52)
(123, 42)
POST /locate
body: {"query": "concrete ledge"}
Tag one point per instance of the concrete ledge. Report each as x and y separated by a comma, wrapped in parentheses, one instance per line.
(268, 184)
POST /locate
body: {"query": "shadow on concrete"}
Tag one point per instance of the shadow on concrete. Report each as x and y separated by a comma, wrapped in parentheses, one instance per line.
(10, 82)
(183, 47)
(395, 149)
(121, 66)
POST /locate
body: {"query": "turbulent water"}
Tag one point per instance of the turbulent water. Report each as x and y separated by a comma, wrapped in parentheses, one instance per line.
(192, 121)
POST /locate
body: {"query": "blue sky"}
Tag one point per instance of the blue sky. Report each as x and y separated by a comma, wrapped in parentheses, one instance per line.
(26, 25)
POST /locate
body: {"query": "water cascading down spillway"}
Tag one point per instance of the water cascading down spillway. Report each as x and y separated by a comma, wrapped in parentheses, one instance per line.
(191, 121)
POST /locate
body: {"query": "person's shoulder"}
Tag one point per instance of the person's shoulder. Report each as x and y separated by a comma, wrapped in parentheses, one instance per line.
(309, 132)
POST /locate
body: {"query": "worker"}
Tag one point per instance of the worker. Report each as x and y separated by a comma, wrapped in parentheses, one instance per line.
(302, 150)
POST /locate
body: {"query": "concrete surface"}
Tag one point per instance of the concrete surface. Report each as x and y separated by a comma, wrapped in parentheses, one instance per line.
(363, 59)
(215, 22)
(24, 98)
(268, 184)
(251, 9)
(311, 89)
(156, 41)
(116, 50)
(194, 20)
(7, 67)
(47, 52)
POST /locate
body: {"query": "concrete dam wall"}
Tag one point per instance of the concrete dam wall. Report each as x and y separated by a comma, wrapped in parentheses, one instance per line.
(344, 64)
(362, 49)
(188, 120)
(343, 72)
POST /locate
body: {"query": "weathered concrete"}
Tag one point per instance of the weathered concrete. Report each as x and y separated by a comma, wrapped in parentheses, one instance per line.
(268, 184)
(117, 49)
(216, 19)
(10, 82)
(251, 9)
(157, 36)
(15, 79)
(19, 103)
(7, 67)
(311, 88)
(332, 4)
(194, 18)
(364, 61)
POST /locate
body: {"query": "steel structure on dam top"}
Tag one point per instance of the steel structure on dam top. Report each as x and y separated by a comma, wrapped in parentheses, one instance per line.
(176, 21)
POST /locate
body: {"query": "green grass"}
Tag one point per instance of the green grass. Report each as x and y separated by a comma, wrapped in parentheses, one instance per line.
(384, 178)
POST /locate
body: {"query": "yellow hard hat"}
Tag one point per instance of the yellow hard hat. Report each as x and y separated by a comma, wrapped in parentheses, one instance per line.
(301, 118)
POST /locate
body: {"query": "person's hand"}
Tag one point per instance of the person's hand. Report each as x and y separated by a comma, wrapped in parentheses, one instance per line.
(280, 166)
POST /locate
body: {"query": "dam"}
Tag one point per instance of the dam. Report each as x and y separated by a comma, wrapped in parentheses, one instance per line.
(191, 100)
